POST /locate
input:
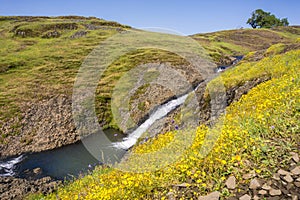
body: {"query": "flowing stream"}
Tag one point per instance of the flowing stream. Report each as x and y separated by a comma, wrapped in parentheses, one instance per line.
(161, 112)
(60, 163)
(74, 159)
(71, 160)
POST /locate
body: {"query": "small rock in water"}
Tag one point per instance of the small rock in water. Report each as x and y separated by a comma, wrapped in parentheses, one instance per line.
(231, 182)
(37, 170)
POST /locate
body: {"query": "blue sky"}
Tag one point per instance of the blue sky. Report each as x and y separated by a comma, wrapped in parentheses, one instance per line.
(187, 17)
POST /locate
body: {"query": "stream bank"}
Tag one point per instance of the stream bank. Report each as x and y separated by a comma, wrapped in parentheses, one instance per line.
(232, 95)
(16, 188)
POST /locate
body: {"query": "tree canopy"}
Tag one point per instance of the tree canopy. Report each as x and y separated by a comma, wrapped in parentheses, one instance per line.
(262, 19)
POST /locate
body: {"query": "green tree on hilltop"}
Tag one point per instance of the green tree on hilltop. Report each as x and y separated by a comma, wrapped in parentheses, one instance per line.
(262, 19)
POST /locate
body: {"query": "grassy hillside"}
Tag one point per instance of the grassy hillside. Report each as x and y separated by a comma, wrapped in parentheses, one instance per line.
(223, 44)
(39, 60)
(40, 57)
(258, 133)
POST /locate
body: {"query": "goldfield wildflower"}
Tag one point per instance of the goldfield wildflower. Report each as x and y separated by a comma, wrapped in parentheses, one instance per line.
(243, 136)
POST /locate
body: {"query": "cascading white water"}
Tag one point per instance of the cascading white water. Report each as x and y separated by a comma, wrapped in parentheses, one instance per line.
(161, 112)
(71, 159)
(7, 167)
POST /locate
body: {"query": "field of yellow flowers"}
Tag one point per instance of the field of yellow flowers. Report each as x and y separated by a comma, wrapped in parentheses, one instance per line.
(256, 134)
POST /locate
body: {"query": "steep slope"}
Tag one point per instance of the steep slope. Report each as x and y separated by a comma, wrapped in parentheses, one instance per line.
(222, 45)
(257, 138)
(39, 60)
(40, 56)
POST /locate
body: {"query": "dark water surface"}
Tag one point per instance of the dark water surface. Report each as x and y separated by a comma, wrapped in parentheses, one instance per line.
(67, 161)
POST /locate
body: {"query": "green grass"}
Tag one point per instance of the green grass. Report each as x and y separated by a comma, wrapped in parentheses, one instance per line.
(292, 32)
(242, 41)
(118, 68)
(33, 68)
(275, 49)
(257, 134)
